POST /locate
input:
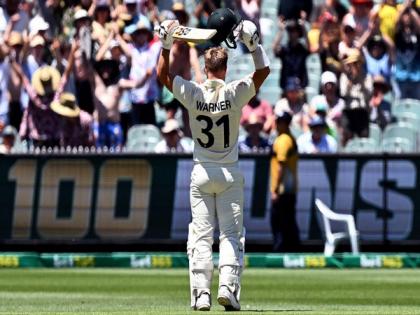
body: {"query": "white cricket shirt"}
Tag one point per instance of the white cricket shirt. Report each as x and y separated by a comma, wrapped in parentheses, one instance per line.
(214, 108)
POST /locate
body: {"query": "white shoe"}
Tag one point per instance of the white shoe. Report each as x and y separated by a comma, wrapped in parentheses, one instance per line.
(228, 299)
(203, 302)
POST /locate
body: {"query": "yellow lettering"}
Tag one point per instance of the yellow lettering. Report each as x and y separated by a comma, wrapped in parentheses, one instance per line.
(9, 261)
(161, 261)
(315, 261)
(392, 262)
(84, 261)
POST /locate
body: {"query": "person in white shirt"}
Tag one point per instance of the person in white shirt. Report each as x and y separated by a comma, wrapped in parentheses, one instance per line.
(173, 139)
(317, 140)
(216, 190)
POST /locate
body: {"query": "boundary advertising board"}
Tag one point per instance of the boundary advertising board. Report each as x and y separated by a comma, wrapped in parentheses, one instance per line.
(122, 197)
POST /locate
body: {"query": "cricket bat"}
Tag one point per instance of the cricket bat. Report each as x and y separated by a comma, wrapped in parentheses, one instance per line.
(193, 34)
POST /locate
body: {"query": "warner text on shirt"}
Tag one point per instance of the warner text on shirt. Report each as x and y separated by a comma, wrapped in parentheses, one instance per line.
(213, 107)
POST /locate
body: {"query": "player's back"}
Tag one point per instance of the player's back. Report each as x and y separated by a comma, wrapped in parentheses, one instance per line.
(215, 110)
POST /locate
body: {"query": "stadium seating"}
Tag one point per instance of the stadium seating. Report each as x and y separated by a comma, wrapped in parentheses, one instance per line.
(361, 145)
(375, 133)
(410, 118)
(397, 145)
(332, 239)
(401, 133)
(143, 138)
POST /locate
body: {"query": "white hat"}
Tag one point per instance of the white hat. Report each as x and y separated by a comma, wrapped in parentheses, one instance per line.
(38, 24)
(328, 77)
(170, 125)
(130, 1)
(81, 14)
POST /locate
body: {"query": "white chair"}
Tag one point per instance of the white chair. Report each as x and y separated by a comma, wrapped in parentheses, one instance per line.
(333, 238)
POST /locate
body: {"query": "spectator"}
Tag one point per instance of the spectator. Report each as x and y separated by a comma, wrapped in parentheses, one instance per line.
(101, 20)
(328, 49)
(283, 187)
(407, 68)
(52, 12)
(359, 14)
(379, 108)
(35, 59)
(40, 124)
(329, 9)
(292, 55)
(356, 89)
(38, 26)
(203, 9)
(260, 108)
(294, 10)
(329, 99)
(173, 140)
(378, 57)
(294, 102)
(9, 136)
(317, 140)
(348, 38)
(15, 87)
(387, 12)
(253, 140)
(108, 88)
(75, 125)
(144, 61)
(4, 80)
(12, 16)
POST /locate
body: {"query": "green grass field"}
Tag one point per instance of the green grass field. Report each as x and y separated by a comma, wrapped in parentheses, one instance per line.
(265, 291)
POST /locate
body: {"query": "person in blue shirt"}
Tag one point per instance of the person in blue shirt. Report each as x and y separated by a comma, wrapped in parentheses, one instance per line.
(253, 142)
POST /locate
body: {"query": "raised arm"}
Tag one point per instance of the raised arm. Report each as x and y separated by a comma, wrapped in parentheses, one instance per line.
(165, 78)
(165, 34)
(250, 37)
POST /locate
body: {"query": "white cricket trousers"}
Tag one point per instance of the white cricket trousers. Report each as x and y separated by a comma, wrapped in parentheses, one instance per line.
(216, 192)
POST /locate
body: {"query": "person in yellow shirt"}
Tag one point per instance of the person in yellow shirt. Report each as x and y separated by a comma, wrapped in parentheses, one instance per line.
(283, 171)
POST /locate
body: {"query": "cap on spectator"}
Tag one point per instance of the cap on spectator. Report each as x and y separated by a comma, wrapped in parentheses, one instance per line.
(170, 126)
(102, 4)
(166, 15)
(130, 1)
(81, 14)
(66, 106)
(114, 43)
(282, 114)
(9, 131)
(353, 56)
(15, 39)
(38, 40)
(349, 22)
(317, 121)
(45, 80)
(380, 82)
(293, 84)
(38, 24)
(376, 40)
(254, 120)
(321, 107)
(328, 77)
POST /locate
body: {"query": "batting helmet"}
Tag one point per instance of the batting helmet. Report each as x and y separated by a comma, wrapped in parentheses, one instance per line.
(224, 21)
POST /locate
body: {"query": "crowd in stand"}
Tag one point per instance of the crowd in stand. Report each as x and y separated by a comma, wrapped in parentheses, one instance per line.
(83, 72)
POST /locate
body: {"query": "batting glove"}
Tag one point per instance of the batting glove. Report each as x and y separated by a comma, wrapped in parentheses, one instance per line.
(165, 31)
(249, 35)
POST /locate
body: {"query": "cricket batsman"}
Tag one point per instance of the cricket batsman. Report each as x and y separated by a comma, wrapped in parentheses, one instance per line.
(216, 190)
